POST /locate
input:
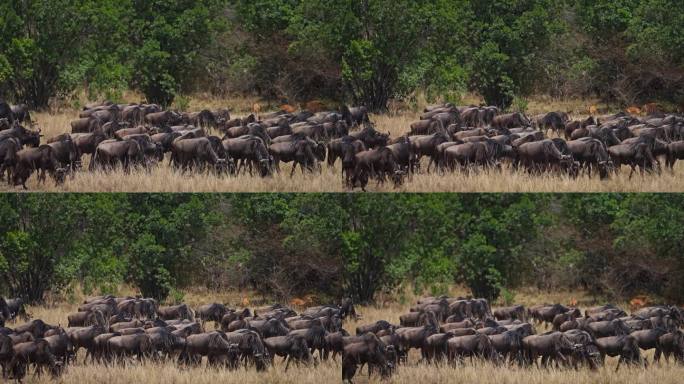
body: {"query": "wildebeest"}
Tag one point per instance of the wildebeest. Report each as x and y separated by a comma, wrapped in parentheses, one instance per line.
(378, 163)
(511, 120)
(624, 346)
(176, 312)
(35, 353)
(41, 159)
(552, 120)
(194, 153)
(249, 150)
(290, 347)
(548, 346)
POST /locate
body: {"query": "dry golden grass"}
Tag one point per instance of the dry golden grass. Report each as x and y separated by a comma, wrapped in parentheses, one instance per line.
(168, 372)
(165, 179)
(486, 373)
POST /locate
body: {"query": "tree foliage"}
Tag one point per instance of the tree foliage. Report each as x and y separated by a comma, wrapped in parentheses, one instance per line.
(287, 245)
(363, 52)
(49, 48)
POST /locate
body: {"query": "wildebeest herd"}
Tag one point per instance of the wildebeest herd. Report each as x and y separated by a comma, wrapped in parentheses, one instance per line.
(117, 330)
(452, 330)
(451, 137)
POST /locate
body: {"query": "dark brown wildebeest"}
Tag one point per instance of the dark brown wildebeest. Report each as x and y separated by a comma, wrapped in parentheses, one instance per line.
(549, 346)
(165, 139)
(625, 346)
(27, 137)
(87, 143)
(83, 337)
(164, 341)
(249, 150)
(272, 327)
(472, 346)
(671, 344)
(314, 335)
(289, 347)
(515, 312)
(419, 319)
(367, 352)
(123, 346)
(231, 316)
(378, 163)
(188, 154)
(204, 118)
(86, 319)
(414, 337)
(600, 329)
(585, 352)
(282, 129)
(135, 323)
(561, 318)
(546, 313)
(675, 151)
(552, 120)
(35, 353)
(435, 348)
(251, 347)
(426, 127)
(510, 120)
(334, 343)
(133, 114)
(176, 312)
(42, 159)
(635, 155)
(36, 327)
(374, 327)
(111, 153)
(427, 146)
(212, 312)
(66, 151)
(85, 125)
(6, 353)
(359, 115)
(572, 126)
(649, 339)
(462, 135)
(9, 147)
(163, 119)
(371, 138)
(61, 347)
(508, 344)
(214, 345)
(542, 155)
(482, 153)
(404, 154)
(305, 153)
(591, 154)
(122, 133)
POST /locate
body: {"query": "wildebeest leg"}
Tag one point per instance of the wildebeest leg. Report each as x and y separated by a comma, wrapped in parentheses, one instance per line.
(294, 168)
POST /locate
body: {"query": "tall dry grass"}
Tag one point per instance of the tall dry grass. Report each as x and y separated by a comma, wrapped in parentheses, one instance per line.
(415, 372)
(163, 178)
(56, 312)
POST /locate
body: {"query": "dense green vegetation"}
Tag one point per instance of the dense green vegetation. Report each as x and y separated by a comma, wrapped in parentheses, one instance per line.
(286, 245)
(364, 52)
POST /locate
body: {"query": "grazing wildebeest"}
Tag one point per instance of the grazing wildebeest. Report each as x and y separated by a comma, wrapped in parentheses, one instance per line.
(625, 346)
